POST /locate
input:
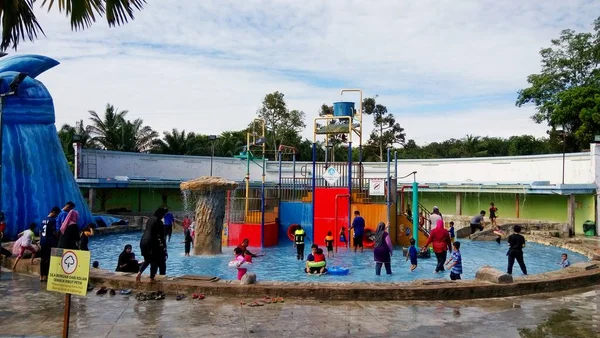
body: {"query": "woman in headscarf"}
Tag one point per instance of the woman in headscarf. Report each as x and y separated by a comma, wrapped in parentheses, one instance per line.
(69, 232)
(383, 250)
(127, 261)
(440, 240)
(153, 245)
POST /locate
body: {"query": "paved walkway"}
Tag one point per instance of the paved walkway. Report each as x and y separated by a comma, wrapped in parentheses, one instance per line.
(26, 310)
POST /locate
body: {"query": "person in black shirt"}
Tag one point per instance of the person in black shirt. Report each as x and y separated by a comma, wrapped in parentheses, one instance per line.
(516, 242)
(127, 261)
(187, 235)
(299, 235)
(85, 237)
(48, 239)
(153, 246)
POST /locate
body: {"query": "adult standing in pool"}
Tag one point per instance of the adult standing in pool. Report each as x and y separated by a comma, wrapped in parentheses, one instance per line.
(440, 240)
(434, 217)
(383, 250)
(358, 224)
(153, 246)
(169, 220)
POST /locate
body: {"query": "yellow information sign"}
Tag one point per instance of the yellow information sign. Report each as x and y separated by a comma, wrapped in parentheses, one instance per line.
(69, 271)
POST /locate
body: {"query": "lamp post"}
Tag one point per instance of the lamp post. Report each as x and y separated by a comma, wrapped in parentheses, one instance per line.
(212, 138)
(563, 130)
(13, 86)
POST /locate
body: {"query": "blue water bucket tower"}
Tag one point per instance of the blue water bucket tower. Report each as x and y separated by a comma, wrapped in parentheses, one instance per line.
(343, 109)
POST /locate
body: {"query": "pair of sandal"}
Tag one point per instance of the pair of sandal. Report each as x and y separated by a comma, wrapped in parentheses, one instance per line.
(198, 296)
(103, 290)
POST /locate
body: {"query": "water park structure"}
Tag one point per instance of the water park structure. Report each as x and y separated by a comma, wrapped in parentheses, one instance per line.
(34, 172)
(321, 196)
(524, 188)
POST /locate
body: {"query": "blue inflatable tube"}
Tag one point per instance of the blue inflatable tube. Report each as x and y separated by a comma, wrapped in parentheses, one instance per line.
(337, 271)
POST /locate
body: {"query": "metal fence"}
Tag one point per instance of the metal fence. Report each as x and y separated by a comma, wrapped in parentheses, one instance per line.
(248, 210)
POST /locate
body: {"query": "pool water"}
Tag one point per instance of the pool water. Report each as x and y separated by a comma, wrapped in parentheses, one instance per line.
(280, 264)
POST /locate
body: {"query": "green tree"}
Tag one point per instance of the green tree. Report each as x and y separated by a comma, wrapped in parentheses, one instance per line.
(176, 143)
(66, 136)
(281, 123)
(20, 23)
(230, 143)
(567, 90)
(106, 129)
(387, 131)
(114, 132)
(135, 137)
(526, 145)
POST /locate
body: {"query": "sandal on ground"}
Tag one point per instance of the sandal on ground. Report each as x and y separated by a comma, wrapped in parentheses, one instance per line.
(125, 292)
(102, 290)
(180, 297)
(253, 304)
(195, 295)
(201, 296)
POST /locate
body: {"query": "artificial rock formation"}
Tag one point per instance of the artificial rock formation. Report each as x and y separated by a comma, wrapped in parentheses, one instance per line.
(208, 195)
(493, 275)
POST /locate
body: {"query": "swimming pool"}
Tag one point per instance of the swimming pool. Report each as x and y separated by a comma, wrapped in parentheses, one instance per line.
(280, 264)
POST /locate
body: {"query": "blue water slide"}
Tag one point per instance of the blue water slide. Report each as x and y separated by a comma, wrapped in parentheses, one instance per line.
(35, 172)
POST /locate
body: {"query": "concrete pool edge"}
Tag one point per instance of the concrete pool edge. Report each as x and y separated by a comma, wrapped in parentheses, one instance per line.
(571, 278)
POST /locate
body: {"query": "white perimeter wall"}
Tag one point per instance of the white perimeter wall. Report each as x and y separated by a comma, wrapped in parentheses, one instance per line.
(578, 168)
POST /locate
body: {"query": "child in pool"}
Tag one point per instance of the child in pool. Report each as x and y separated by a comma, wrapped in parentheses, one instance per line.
(320, 257)
(454, 264)
(498, 232)
(412, 254)
(85, 235)
(451, 231)
(329, 244)
(25, 243)
(239, 258)
(564, 261)
(187, 241)
(343, 235)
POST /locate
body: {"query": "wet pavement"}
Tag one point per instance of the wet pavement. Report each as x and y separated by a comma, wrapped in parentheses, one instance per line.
(28, 310)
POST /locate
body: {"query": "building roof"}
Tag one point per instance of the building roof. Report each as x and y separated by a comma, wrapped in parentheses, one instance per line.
(535, 188)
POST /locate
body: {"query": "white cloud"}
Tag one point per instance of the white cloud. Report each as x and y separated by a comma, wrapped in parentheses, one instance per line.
(205, 66)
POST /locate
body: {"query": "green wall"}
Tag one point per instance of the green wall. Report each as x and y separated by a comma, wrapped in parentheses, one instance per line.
(542, 207)
(128, 198)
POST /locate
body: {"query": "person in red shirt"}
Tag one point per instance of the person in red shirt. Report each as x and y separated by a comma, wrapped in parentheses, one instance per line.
(185, 224)
(440, 240)
(320, 257)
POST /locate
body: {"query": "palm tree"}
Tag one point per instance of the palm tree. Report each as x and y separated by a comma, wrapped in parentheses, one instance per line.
(66, 134)
(230, 143)
(176, 143)
(114, 132)
(135, 137)
(106, 130)
(20, 23)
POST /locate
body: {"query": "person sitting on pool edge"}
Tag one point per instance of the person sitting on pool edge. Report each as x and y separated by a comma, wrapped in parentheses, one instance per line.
(127, 261)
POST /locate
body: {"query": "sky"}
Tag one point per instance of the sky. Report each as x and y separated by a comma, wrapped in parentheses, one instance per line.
(444, 68)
